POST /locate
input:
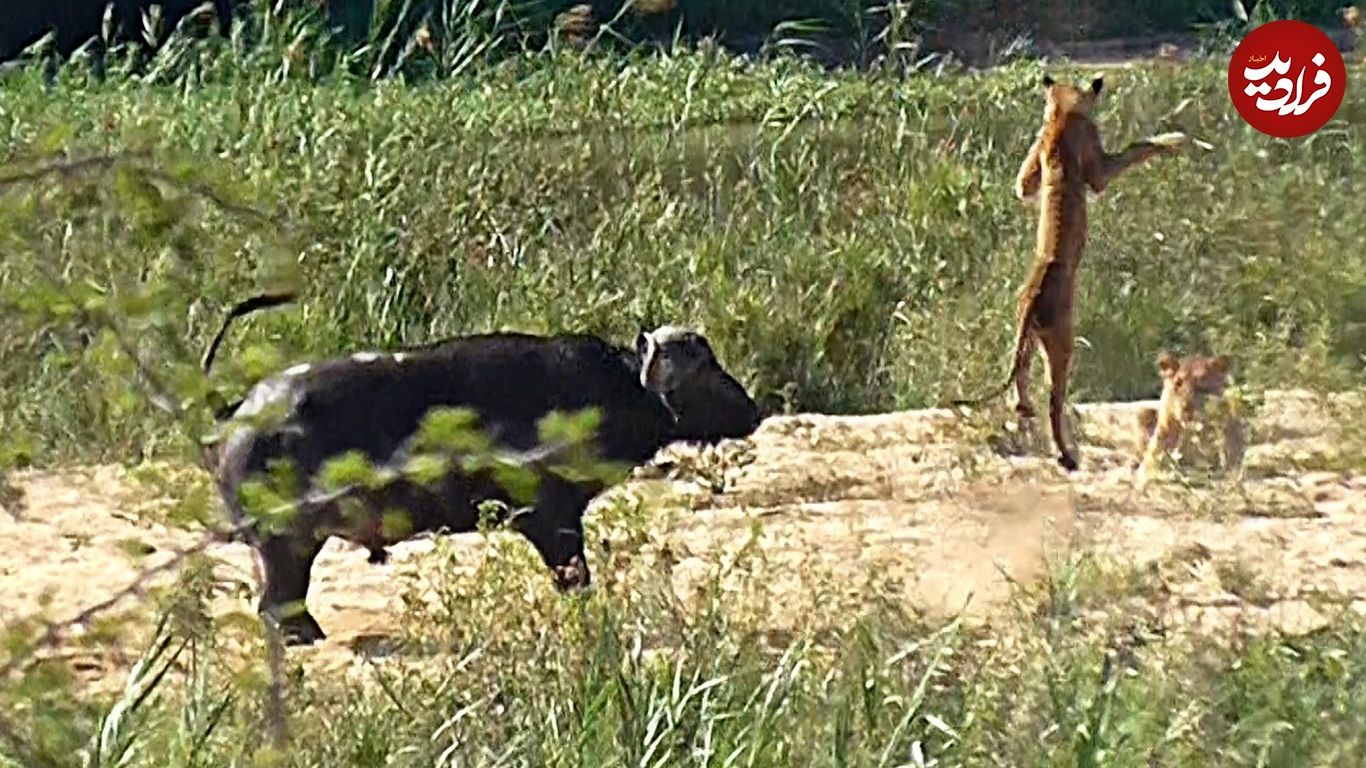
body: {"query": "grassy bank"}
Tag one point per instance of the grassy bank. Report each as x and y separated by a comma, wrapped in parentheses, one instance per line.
(850, 243)
(632, 676)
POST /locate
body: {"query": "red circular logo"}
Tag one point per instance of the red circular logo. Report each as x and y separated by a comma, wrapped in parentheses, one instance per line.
(1287, 79)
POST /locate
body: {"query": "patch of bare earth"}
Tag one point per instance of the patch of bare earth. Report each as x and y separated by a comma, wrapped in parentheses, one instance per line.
(920, 507)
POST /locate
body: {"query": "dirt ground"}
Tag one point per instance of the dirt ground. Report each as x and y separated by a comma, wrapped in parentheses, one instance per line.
(920, 499)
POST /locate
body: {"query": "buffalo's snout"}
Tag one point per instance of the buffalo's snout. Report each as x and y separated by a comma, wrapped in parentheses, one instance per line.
(573, 576)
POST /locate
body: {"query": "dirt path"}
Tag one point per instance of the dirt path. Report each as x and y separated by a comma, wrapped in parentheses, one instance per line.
(916, 499)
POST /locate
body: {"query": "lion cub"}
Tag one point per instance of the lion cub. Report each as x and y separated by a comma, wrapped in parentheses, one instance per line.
(1190, 385)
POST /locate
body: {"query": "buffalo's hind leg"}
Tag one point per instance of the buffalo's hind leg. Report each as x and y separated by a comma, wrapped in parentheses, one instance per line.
(1057, 347)
(555, 529)
(287, 561)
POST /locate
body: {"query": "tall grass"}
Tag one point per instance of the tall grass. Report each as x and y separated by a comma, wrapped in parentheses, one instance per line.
(848, 241)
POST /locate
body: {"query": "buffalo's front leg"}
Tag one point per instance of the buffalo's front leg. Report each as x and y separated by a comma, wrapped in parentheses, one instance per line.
(287, 562)
(555, 529)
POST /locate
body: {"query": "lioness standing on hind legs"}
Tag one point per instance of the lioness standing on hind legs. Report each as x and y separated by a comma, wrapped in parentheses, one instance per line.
(1066, 158)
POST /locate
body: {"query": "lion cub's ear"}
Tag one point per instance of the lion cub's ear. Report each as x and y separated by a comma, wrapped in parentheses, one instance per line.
(1048, 81)
(1219, 364)
(1097, 86)
(1167, 364)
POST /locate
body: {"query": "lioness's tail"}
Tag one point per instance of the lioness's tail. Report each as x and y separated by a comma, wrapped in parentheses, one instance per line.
(1022, 361)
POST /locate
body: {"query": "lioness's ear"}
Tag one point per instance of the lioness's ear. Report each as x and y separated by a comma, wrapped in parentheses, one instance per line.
(1048, 81)
(1219, 364)
(1097, 85)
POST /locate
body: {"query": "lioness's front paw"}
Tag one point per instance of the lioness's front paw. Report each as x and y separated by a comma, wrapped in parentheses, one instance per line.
(1173, 140)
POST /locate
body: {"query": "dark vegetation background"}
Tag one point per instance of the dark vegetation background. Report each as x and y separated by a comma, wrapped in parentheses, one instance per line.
(947, 24)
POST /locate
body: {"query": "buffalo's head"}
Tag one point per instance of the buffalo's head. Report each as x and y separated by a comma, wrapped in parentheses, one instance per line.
(708, 403)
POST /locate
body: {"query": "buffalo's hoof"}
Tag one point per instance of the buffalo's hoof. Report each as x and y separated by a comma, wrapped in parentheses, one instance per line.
(1067, 462)
(301, 630)
(378, 556)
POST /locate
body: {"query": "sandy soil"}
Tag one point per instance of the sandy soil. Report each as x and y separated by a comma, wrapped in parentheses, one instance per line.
(920, 500)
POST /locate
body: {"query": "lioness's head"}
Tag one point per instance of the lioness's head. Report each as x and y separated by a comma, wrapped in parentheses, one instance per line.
(1059, 98)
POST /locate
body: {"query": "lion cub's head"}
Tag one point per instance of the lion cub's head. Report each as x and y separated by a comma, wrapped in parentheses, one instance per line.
(1187, 384)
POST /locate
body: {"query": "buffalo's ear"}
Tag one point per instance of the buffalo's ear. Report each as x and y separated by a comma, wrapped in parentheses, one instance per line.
(642, 343)
(1097, 85)
(700, 343)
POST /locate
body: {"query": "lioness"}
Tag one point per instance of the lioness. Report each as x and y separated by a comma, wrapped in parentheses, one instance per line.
(1066, 158)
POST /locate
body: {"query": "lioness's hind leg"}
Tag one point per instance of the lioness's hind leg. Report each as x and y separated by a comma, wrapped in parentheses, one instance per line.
(1057, 347)
(1024, 408)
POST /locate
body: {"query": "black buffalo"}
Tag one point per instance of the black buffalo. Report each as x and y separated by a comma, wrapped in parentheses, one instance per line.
(670, 387)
